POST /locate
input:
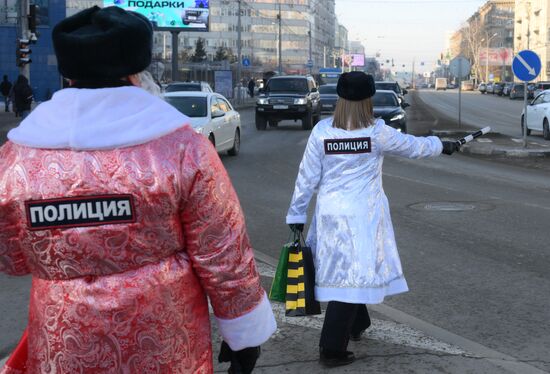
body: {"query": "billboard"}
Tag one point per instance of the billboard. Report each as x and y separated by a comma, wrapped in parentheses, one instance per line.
(497, 56)
(353, 60)
(181, 15)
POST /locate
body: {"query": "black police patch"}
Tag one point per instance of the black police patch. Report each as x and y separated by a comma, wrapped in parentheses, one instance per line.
(79, 211)
(347, 146)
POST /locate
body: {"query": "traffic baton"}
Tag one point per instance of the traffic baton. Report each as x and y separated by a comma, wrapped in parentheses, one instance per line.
(473, 135)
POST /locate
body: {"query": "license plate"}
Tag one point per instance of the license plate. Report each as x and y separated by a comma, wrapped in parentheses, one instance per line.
(327, 106)
(192, 18)
(280, 106)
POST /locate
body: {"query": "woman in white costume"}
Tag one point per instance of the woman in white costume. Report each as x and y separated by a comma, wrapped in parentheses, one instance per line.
(351, 234)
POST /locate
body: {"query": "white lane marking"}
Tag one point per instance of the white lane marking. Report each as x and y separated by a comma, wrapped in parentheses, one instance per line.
(381, 330)
(484, 140)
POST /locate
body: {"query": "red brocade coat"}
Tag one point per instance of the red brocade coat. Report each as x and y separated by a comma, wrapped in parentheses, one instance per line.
(125, 240)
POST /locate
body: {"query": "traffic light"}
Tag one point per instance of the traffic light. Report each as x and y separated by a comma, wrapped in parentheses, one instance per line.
(32, 18)
(23, 52)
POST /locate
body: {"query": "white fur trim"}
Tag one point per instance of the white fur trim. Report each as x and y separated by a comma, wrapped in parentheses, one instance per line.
(251, 329)
(374, 295)
(103, 118)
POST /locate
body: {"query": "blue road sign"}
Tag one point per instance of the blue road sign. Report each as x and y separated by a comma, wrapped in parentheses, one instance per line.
(309, 63)
(246, 62)
(526, 65)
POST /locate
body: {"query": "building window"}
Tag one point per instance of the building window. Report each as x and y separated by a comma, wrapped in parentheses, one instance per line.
(8, 12)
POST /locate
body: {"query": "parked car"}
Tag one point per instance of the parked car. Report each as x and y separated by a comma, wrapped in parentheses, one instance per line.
(490, 88)
(329, 97)
(517, 91)
(440, 84)
(482, 88)
(188, 86)
(289, 97)
(538, 115)
(195, 15)
(497, 88)
(392, 86)
(211, 115)
(506, 89)
(541, 86)
(386, 106)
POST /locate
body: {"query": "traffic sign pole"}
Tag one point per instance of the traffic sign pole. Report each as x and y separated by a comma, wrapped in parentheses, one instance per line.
(526, 67)
(459, 95)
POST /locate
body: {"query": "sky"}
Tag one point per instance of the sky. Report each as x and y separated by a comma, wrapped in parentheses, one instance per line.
(404, 30)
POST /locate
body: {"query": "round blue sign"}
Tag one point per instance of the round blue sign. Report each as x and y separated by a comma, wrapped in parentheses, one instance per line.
(526, 65)
(246, 62)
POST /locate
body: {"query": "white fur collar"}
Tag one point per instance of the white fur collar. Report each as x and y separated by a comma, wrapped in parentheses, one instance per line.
(105, 118)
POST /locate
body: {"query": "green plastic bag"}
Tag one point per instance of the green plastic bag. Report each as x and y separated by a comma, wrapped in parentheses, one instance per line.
(278, 287)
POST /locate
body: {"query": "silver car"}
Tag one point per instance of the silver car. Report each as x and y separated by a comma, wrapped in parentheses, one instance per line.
(211, 115)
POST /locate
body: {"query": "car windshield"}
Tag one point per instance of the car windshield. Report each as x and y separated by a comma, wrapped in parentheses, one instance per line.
(386, 86)
(189, 105)
(329, 90)
(183, 87)
(287, 85)
(384, 99)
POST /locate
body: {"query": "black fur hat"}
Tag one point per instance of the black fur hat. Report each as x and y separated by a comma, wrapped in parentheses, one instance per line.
(102, 44)
(355, 86)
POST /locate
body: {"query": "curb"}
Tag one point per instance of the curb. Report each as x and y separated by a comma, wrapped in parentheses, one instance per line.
(488, 149)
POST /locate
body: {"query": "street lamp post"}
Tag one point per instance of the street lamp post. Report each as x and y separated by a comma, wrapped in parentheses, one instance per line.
(487, 54)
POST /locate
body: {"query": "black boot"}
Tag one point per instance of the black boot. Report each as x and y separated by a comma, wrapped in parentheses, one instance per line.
(355, 337)
(335, 358)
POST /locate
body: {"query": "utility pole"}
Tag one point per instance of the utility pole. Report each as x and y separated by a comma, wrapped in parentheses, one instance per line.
(309, 35)
(25, 69)
(175, 67)
(280, 18)
(239, 50)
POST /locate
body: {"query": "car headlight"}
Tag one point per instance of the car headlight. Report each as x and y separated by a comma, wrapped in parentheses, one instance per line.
(263, 101)
(398, 117)
(198, 130)
(301, 101)
(399, 100)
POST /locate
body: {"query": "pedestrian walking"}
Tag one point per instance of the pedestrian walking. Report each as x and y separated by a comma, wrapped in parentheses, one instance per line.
(22, 96)
(251, 86)
(351, 233)
(126, 219)
(5, 88)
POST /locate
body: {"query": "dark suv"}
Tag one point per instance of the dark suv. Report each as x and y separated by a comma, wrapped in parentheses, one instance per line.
(289, 97)
(392, 86)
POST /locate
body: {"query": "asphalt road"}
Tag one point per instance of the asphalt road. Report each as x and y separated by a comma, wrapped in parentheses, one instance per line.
(499, 112)
(472, 235)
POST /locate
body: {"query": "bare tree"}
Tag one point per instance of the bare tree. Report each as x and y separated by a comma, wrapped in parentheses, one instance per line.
(473, 33)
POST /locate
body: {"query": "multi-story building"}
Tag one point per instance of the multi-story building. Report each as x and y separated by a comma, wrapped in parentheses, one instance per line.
(532, 31)
(487, 40)
(341, 45)
(260, 33)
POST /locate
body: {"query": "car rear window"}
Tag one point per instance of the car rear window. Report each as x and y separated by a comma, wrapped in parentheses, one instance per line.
(384, 99)
(386, 86)
(287, 85)
(189, 105)
(183, 87)
(329, 90)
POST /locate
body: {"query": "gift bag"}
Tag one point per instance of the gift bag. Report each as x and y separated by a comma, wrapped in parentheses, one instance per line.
(300, 291)
(278, 287)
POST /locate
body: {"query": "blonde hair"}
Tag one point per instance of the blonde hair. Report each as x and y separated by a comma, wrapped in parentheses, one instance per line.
(353, 115)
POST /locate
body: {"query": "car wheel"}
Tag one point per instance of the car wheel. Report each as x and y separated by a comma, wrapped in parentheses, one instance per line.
(317, 118)
(273, 123)
(528, 131)
(236, 144)
(307, 121)
(404, 129)
(261, 123)
(545, 130)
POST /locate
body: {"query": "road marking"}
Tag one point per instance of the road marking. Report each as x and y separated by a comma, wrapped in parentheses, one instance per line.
(438, 338)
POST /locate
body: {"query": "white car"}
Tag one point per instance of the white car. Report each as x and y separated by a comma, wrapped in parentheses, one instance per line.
(538, 115)
(211, 115)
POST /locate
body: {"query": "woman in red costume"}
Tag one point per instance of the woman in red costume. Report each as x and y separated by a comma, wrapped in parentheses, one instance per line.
(126, 219)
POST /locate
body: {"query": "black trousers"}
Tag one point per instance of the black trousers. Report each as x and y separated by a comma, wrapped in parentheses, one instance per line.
(341, 320)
